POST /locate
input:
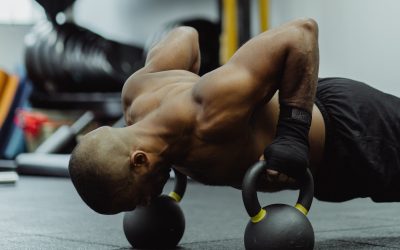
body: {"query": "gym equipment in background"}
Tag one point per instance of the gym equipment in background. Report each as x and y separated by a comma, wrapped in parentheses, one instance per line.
(55, 165)
(70, 58)
(52, 8)
(209, 43)
(236, 23)
(42, 164)
(159, 225)
(277, 226)
(51, 158)
(47, 160)
(105, 106)
(65, 135)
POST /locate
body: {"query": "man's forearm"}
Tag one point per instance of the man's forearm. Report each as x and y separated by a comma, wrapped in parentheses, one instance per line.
(288, 153)
(178, 50)
(300, 74)
(285, 59)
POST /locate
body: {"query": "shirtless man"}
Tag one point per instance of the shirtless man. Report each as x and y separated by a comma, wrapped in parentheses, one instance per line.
(213, 128)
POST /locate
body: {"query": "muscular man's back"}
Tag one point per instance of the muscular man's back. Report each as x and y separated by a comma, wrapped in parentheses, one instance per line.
(219, 154)
(202, 157)
(212, 128)
(223, 120)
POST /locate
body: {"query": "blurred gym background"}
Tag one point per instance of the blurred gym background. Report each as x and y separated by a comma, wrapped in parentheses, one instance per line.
(63, 63)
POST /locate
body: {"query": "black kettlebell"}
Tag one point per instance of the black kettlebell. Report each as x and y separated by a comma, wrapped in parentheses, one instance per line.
(159, 225)
(277, 226)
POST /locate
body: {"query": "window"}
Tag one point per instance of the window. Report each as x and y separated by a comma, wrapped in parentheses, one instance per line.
(20, 11)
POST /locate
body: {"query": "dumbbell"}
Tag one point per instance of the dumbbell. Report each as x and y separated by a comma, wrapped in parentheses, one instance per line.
(277, 226)
(52, 8)
(159, 225)
(64, 135)
(47, 159)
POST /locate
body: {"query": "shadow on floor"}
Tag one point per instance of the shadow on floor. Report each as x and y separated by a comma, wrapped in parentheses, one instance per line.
(341, 243)
(360, 243)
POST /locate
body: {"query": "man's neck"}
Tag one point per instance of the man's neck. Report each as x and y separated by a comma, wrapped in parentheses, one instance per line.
(158, 139)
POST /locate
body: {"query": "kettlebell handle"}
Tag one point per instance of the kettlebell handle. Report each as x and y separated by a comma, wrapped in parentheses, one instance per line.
(249, 190)
(180, 186)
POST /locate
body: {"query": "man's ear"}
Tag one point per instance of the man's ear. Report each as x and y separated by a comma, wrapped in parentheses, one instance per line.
(139, 161)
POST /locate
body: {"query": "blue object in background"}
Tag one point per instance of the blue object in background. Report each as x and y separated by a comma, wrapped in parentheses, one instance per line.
(12, 136)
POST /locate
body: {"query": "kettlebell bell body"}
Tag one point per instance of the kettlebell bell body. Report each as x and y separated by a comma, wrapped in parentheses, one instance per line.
(277, 226)
(283, 227)
(161, 224)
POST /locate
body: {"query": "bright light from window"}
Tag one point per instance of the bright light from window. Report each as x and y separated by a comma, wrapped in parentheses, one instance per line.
(20, 11)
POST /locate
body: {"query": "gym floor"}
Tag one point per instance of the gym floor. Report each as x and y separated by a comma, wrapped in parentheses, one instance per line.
(46, 213)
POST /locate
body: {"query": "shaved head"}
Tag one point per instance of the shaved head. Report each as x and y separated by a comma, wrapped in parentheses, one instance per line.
(100, 171)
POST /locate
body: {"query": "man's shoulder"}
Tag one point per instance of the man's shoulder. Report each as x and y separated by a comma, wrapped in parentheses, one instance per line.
(143, 82)
(168, 91)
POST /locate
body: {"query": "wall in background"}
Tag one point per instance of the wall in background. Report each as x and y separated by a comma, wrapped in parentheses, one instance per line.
(358, 39)
(12, 45)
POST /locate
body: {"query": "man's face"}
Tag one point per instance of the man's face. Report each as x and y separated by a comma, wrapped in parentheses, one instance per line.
(152, 183)
(147, 187)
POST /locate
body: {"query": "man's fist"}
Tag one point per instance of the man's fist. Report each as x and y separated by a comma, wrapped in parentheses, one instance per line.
(287, 155)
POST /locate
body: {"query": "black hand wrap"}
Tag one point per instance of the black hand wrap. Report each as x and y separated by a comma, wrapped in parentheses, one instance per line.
(288, 153)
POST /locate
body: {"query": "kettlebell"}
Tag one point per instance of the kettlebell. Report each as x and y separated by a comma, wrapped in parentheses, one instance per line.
(159, 225)
(277, 226)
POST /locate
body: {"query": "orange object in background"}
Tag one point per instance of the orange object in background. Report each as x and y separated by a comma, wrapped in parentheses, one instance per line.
(3, 80)
(7, 96)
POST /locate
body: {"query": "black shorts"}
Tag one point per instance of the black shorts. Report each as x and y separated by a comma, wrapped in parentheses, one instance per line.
(362, 147)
